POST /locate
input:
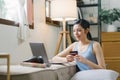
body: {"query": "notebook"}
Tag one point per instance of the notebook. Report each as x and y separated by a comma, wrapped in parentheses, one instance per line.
(38, 49)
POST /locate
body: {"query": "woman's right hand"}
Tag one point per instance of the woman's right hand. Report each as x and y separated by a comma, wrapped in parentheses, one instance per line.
(70, 58)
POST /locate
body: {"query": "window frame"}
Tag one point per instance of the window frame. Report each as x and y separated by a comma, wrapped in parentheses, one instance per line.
(48, 18)
(13, 23)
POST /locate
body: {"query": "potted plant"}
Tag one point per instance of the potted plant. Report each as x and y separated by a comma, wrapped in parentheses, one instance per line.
(109, 16)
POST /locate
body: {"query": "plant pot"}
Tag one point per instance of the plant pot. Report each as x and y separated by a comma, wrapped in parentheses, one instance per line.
(111, 28)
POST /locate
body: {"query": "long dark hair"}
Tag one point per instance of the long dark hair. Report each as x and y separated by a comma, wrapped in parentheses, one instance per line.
(84, 24)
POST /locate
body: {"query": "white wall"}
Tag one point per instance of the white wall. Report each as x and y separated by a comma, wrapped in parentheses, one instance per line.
(42, 32)
(8, 40)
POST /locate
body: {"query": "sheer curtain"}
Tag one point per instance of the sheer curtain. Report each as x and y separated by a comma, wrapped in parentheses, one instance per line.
(23, 30)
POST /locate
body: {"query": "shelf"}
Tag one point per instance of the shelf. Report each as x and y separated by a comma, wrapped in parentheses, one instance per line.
(93, 23)
(93, 19)
(90, 24)
(87, 5)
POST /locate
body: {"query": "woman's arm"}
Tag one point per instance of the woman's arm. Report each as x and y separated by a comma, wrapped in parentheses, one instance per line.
(99, 55)
(61, 57)
(97, 50)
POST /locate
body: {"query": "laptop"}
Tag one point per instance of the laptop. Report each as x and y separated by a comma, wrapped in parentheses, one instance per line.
(38, 49)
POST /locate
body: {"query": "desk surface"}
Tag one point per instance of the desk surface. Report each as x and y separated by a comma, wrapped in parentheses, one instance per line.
(54, 72)
(19, 69)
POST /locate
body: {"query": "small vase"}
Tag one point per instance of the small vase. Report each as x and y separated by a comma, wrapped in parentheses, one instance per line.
(111, 28)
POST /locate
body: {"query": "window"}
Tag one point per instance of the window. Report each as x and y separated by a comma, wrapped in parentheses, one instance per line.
(9, 12)
(48, 18)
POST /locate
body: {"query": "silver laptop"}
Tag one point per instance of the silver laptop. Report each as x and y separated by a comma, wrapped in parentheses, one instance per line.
(38, 49)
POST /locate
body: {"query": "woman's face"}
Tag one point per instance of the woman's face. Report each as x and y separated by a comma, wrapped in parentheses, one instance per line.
(79, 32)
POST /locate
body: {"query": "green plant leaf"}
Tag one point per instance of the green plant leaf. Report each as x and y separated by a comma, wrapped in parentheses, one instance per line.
(109, 16)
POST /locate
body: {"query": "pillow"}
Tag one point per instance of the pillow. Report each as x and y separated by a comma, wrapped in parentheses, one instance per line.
(96, 74)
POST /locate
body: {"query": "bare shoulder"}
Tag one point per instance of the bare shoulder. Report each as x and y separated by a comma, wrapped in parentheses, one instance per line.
(73, 44)
(96, 45)
(67, 50)
(70, 47)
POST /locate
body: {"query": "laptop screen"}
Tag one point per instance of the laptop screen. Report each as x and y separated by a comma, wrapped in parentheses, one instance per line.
(38, 49)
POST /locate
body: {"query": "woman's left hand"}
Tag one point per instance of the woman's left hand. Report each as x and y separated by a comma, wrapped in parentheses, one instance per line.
(80, 58)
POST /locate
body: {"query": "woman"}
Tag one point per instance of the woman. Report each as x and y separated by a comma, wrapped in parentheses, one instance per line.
(90, 55)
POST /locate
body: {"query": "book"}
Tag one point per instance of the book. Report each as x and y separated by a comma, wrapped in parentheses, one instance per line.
(32, 64)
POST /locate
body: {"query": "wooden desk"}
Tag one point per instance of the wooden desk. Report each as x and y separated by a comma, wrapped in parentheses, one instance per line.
(7, 56)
